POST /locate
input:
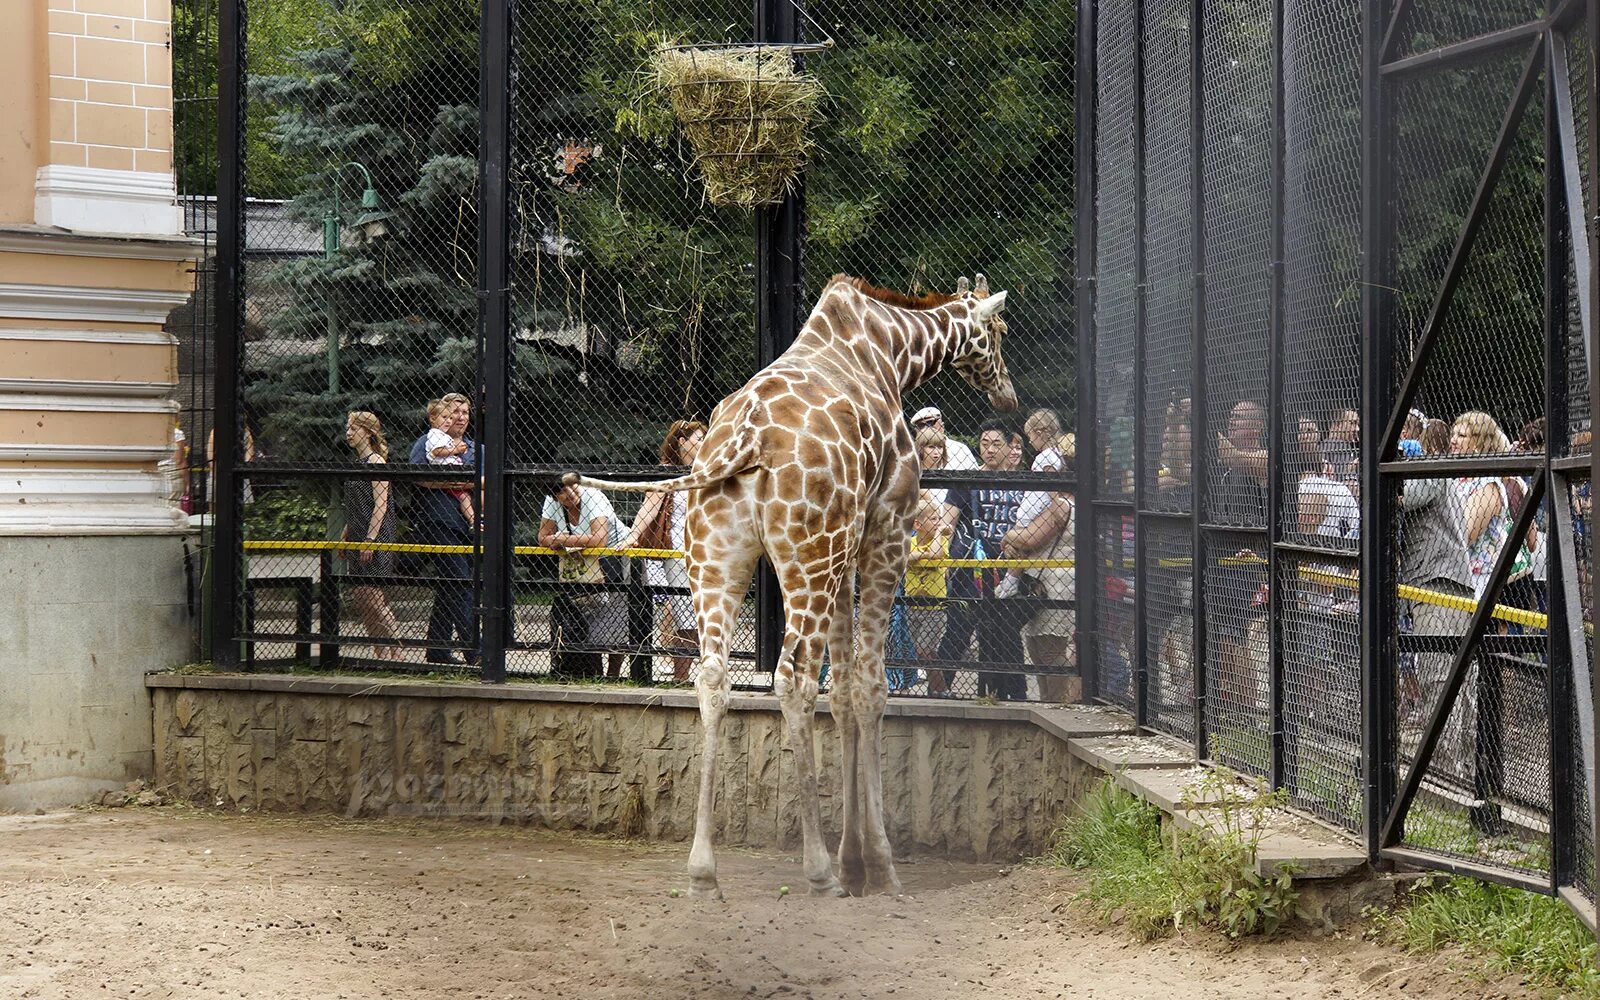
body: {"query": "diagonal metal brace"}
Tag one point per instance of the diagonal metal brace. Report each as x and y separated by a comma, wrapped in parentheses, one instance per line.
(1394, 824)
(1531, 66)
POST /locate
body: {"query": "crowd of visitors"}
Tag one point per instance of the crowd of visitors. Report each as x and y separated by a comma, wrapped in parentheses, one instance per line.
(1017, 621)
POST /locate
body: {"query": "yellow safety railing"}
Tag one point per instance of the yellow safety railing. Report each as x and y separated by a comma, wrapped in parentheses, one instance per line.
(540, 550)
(1328, 577)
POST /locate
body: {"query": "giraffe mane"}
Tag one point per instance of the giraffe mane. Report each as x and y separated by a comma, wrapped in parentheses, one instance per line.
(932, 300)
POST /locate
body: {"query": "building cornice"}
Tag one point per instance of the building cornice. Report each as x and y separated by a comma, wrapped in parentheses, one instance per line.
(66, 242)
(68, 387)
(59, 402)
(114, 305)
(157, 337)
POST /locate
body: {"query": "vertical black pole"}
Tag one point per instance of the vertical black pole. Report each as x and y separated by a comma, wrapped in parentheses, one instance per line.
(1087, 569)
(778, 235)
(1592, 213)
(1198, 469)
(225, 513)
(1563, 811)
(1141, 314)
(1378, 750)
(1275, 419)
(494, 359)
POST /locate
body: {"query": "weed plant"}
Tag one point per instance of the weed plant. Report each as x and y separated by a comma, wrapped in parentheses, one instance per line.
(1157, 879)
(1533, 936)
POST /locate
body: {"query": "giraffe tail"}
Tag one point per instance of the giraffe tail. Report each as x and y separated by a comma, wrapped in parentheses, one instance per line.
(740, 455)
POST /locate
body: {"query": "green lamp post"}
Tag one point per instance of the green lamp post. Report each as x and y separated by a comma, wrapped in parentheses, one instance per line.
(372, 224)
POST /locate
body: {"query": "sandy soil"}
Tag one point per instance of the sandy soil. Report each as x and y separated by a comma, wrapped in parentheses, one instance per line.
(174, 903)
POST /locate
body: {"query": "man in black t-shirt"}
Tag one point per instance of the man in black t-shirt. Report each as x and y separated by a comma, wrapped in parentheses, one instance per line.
(979, 518)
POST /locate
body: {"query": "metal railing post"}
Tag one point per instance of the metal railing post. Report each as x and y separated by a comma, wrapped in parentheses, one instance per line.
(1378, 748)
(1087, 569)
(494, 356)
(226, 561)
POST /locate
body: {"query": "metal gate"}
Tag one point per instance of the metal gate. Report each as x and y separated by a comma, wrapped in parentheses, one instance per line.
(1335, 423)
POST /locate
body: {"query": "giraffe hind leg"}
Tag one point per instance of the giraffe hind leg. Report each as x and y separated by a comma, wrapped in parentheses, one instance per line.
(842, 699)
(796, 682)
(718, 579)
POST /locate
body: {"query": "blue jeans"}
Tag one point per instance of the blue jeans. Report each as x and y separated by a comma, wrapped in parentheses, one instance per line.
(453, 615)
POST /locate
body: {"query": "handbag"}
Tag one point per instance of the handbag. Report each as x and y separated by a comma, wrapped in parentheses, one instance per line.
(1056, 583)
(658, 533)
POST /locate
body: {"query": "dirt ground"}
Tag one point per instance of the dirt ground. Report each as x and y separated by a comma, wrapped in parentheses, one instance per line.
(177, 903)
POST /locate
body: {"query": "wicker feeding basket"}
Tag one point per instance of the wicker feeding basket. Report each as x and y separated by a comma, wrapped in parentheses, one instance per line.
(747, 112)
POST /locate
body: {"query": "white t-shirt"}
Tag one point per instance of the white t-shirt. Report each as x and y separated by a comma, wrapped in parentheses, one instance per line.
(1342, 518)
(958, 457)
(439, 439)
(1048, 460)
(1034, 503)
(591, 504)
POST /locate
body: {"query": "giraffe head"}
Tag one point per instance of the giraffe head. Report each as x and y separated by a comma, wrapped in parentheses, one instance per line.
(979, 361)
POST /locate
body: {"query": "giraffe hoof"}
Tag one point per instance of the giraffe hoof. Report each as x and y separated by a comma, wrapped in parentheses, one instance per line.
(829, 888)
(712, 891)
(886, 887)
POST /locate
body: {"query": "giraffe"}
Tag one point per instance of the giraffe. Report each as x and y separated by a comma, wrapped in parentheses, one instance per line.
(811, 463)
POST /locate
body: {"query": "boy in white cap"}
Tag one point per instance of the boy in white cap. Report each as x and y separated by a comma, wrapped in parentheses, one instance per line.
(957, 456)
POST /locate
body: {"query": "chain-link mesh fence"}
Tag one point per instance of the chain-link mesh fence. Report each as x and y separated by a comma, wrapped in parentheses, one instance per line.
(1169, 626)
(1580, 738)
(359, 347)
(942, 149)
(1238, 125)
(1116, 257)
(1169, 279)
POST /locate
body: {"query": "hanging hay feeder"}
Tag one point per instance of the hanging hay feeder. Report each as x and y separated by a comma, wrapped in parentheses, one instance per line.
(747, 112)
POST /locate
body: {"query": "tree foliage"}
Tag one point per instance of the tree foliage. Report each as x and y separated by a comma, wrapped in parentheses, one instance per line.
(945, 150)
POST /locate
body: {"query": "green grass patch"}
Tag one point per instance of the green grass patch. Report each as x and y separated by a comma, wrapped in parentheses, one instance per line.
(1157, 879)
(1523, 933)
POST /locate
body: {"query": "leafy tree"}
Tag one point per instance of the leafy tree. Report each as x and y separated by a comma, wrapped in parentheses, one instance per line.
(405, 307)
(945, 150)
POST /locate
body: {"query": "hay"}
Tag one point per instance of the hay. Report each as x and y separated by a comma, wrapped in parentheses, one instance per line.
(747, 114)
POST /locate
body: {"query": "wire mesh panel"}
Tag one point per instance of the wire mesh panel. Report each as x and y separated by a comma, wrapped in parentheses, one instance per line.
(1116, 251)
(1169, 256)
(358, 294)
(632, 313)
(1238, 651)
(1321, 395)
(633, 297)
(946, 148)
(1580, 740)
(1480, 800)
(1428, 26)
(1239, 142)
(362, 139)
(1578, 219)
(1114, 636)
(1169, 626)
(1488, 356)
(1321, 629)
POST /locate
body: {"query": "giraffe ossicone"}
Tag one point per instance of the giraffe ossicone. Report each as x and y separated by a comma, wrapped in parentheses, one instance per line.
(811, 463)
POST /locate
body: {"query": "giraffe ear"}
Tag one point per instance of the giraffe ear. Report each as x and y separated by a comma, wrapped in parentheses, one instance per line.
(961, 285)
(981, 287)
(989, 308)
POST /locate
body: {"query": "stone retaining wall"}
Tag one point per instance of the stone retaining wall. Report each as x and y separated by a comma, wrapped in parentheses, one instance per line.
(960, 781)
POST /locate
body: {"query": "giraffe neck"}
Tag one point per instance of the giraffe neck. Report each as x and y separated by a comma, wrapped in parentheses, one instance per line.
(901, 348)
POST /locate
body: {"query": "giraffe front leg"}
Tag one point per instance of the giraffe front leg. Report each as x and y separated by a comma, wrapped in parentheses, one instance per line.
(881, 568)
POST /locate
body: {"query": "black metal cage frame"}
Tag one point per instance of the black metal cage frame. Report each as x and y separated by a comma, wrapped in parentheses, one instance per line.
(1114, 520)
